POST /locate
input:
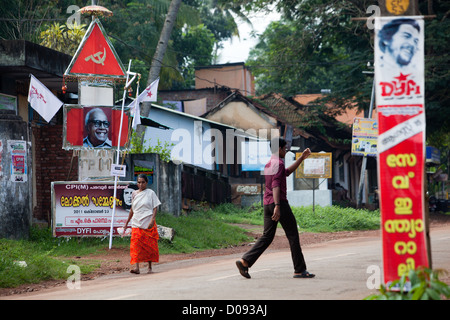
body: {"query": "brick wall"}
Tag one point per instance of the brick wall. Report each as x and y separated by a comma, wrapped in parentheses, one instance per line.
(52, 163)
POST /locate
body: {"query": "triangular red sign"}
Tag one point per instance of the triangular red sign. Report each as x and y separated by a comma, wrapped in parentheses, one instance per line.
(95, 56)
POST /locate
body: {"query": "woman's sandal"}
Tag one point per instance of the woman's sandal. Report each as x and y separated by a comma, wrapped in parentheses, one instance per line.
(304, 274)
(135, 271)
(242, 269)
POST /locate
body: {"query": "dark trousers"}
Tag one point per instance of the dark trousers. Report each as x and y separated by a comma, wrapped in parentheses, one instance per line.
(289, 225)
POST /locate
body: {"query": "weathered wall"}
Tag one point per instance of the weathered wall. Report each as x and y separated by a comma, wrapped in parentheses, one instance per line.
(52, 164)
(166, 180)
(15, 197)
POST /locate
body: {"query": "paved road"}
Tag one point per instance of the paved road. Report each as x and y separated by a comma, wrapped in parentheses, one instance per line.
(340, 267)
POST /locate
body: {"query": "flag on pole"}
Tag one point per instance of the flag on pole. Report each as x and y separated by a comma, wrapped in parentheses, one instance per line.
(43, 100)
(136, 112)
(149, 94)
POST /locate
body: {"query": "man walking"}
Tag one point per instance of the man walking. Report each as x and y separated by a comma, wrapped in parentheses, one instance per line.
(276, 208)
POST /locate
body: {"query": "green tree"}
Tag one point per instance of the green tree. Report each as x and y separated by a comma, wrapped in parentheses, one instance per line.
(318, 46)
(198, 43)
(62, 37)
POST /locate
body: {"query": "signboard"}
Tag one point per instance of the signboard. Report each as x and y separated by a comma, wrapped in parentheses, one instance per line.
(94, 93)
(255, 155)
(433, 155)
(398, 7)
(365, 136)
(93, 127)
(118, 170)
(95, 56)
(85, 208)
(8, 102)
(399, 76)
(317, 165)
(95, 164)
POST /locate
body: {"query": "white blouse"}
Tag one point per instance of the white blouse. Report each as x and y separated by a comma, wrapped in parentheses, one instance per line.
(143, 204)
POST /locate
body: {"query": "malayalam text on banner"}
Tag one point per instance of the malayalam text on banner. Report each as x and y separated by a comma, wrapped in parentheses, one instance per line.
(399, 76)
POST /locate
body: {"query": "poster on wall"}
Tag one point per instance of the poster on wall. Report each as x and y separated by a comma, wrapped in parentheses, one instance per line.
(18, 151)
(399, 75)
(85, 208)
(94, 127)
(8, 102)
(364, 137)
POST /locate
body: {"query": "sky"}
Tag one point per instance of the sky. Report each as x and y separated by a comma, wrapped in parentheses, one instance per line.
(237, 49)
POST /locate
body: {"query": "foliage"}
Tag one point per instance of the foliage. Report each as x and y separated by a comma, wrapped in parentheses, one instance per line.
(334, 218)
(48, 257)
(45, 257)
(163, 150)
(424, 284)
(62, 37)
(316, 45)
(134, 30)
(321, 219)
(198, 41)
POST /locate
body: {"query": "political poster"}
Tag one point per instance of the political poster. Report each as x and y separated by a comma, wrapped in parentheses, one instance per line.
(94, 127)
(399, 76)
(85, 208)
(364, 137)
(19, 168)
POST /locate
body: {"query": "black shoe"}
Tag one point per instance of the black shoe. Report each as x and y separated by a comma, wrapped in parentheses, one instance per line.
(242, 269)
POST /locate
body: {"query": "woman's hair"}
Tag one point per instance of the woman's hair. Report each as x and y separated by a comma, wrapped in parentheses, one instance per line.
(143, 176)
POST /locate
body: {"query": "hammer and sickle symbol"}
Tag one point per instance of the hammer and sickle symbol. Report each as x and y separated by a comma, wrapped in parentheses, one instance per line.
(96, 57)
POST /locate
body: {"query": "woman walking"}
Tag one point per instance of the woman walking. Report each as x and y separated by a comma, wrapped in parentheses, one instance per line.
(144, 234)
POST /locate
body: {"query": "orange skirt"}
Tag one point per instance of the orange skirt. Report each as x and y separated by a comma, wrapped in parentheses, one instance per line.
(144, 245)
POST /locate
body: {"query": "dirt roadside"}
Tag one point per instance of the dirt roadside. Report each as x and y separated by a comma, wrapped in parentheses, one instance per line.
(117, 260)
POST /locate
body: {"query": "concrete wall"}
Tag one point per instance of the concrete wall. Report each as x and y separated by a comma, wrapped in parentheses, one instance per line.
(15, 196)
(166, 179)
(233, 75)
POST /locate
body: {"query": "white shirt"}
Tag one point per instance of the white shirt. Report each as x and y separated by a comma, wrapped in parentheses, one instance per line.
(143, 204)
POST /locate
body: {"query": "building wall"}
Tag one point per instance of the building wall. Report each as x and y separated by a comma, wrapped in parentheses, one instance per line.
(213, 95)
(15, 199)
(190, 136)
(237, 114)
(52, 163)
(235, 76)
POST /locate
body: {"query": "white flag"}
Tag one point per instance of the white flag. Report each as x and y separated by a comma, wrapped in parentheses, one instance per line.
(43, 100)
(149, 94)
(136, 115)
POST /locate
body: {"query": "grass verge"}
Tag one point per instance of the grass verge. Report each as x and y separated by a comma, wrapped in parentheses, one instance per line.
(48, 258)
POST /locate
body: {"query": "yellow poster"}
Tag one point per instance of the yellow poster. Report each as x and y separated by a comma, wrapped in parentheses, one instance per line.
(365, 135)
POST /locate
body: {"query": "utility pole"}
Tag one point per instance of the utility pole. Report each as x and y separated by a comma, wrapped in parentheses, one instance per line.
(364, 161)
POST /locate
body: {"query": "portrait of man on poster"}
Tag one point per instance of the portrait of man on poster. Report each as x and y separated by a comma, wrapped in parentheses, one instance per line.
(399, 41)
(97, 127)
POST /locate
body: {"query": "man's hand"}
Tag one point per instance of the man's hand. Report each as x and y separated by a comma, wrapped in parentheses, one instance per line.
(297, 162)
(306, 153)
(276, 213)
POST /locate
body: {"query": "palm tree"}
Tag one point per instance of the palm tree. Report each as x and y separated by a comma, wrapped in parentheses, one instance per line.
(155, 69)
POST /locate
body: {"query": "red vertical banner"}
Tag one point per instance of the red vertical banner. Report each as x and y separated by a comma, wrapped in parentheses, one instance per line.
(399, 76)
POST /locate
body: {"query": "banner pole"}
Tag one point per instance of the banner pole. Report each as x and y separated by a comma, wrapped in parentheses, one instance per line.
(118, 157)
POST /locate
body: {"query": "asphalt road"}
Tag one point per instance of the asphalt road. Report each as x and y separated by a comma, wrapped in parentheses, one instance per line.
(343, 269)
